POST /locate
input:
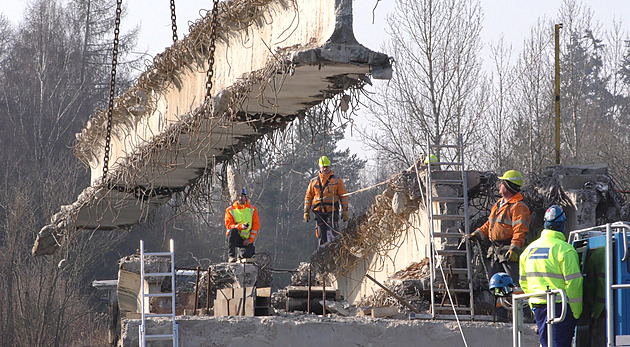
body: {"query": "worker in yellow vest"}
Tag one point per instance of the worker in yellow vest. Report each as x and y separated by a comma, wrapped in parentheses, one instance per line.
(551, 263)
(242, 224)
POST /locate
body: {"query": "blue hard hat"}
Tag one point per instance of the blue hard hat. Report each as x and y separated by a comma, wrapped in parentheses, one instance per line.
(555, 218)
(555, 214)
(243, 192)
(502, 284)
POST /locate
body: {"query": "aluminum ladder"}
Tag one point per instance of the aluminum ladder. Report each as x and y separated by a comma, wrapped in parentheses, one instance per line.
(449, 307)
(146, 295)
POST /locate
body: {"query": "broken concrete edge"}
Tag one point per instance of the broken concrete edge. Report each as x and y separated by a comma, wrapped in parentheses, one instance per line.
(187, 53)
(140, 99)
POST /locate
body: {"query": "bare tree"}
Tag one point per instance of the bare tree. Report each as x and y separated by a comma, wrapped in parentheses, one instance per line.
(435, 44)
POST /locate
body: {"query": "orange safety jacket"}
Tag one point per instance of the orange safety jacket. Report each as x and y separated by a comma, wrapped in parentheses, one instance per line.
(324, 193)
(241, 214)
(509, 221)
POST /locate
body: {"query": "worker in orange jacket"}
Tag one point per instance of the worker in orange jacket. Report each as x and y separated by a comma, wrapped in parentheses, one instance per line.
(506, 229)
(325, 194)
(242, 224)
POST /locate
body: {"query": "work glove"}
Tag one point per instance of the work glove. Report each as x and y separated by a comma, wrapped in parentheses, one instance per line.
(307, 216)
(512, 255)
(344, 216)
(475, 235)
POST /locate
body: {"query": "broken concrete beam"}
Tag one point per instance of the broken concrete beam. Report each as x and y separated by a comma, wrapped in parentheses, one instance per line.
(169, 130)
(379, 312)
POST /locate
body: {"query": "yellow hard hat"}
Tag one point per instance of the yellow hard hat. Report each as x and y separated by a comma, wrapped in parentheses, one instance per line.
(324, 161)
(513, 176)
(431, 158)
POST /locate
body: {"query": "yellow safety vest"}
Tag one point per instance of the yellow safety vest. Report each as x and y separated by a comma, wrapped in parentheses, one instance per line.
(242, 216)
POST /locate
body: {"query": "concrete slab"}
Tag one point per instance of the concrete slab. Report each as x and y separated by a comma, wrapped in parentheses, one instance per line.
(316, 331)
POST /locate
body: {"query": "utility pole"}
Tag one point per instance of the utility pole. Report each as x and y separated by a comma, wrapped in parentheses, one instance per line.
(557, 37)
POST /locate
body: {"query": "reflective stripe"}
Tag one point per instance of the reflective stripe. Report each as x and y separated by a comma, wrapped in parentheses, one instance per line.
(553, 275)
(544, 274)
(572, 276)
(520, 221)
(575, 300)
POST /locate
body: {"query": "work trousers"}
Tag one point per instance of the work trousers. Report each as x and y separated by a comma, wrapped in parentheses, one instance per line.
(327, 226)
(235, 240)
(562, 332)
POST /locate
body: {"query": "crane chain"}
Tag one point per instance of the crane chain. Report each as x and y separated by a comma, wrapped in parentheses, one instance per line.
(112, 90)
(212, 48)
(173, 21)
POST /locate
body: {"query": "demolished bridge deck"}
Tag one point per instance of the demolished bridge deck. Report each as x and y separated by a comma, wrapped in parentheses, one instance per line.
(274, 60)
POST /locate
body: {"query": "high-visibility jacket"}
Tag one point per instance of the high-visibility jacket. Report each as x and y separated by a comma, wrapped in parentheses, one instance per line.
(241, 214)
(508, 221)
(551, 262)
(325, 193)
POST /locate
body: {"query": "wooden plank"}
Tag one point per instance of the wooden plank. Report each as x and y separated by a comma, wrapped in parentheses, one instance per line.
(225, 294)
(249, 307)
(221, 308)
(239, 293)
(233, 307)
(266, 292)
(378, 312)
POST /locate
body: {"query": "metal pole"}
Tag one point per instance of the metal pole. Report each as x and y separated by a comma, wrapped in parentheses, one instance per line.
(557, 101)
(208, 292)
(323, 294)
(610, 329)
(197, 290)
(551, 315)
(142, 341)
(308, 293)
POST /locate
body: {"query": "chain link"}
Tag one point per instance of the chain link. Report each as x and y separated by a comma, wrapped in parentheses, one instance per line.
(173, 20)
(112, 90)
(213, 38)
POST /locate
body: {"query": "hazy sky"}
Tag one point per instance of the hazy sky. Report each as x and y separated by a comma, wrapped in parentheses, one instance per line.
(511, 19)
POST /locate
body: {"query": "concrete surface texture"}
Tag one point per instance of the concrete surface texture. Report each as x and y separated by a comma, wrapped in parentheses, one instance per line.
(274, 60)
(308, 330)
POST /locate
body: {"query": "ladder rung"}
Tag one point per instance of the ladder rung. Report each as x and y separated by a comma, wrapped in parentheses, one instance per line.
(453, 290)
(457, 271)
(152, 274)
(450, 235)
(158, 254)
(447, 199)
(453, 163)
(445, 181)
(158, 337)
(449, 307)
(158, 295)
(444, 146)
(450, 252)
(158, 314)
(448, 216)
